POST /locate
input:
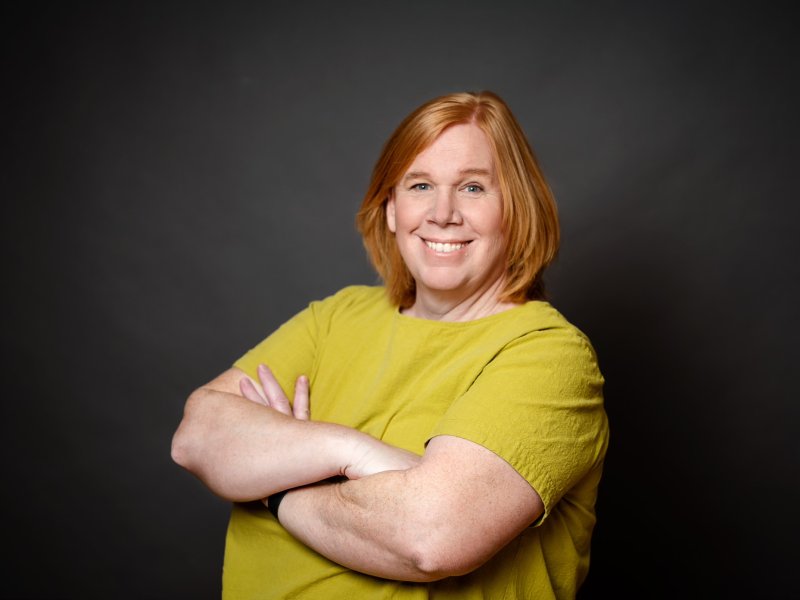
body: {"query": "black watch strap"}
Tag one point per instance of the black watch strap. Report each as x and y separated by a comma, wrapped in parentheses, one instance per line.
(274, 502)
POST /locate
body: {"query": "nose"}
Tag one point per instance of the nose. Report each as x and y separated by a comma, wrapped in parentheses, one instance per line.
(444, 210)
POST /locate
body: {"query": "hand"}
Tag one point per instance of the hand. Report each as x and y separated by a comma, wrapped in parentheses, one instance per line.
(368, 455)
(371, 456)
(271, 395)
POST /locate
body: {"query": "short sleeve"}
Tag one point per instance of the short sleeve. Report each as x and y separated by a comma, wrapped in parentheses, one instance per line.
(290, 351)
(537, 404)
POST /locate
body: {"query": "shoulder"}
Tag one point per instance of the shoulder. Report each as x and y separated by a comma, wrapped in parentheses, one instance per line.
(546, 349)
(537, 403)
(539, 315)
(538, 324)
(355, 302)
(353, 297)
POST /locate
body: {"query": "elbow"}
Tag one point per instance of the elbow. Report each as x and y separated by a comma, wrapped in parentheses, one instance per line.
(426, 568)
(180, 450)
(195, 449)
(184, 441)
(444, 554)
(443, 545)
(431, 564)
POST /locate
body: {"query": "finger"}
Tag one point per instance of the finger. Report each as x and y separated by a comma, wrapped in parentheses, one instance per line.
(301, 404)
(272, 390)
(250, 391)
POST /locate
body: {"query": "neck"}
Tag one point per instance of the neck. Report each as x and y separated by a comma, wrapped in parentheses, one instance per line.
(443, 307)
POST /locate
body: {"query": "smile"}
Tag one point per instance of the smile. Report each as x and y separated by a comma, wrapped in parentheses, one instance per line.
(445, 247)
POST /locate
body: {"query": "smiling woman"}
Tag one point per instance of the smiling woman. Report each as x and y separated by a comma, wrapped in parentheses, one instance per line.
(529, 216)
(447, 216)
(458, 435)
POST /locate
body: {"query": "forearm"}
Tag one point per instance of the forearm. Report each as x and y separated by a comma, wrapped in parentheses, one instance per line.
(370, 525)
(245, 451)
(447, 515)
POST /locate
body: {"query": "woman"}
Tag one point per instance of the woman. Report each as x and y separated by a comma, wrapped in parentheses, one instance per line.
(458, 433)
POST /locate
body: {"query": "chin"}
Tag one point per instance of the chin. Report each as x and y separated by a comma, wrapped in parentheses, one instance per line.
(443, 287)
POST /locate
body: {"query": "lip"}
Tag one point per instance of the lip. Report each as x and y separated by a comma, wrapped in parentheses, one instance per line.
(449, 254)
(443, 241)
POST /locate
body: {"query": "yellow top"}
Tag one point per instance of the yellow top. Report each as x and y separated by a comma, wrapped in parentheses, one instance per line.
(523, 383)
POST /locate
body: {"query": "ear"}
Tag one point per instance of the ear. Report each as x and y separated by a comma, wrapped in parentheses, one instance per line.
(390, 214)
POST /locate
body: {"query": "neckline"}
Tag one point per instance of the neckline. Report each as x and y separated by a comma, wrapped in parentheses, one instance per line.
(506, 314)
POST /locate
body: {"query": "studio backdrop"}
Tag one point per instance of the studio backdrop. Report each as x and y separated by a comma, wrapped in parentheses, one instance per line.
(180, 178)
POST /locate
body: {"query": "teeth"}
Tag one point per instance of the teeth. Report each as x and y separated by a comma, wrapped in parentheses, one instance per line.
(446, 247)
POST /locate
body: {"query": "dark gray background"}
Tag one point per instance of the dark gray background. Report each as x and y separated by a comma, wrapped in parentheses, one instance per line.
(179, 178)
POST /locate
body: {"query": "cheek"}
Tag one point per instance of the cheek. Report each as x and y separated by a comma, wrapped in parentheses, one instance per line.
(488, 221)
(407, 218)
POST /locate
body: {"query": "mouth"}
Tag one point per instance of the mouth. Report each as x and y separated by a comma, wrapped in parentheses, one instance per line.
(445, 247)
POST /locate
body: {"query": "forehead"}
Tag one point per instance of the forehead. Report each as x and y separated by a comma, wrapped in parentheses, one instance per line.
(459, 147)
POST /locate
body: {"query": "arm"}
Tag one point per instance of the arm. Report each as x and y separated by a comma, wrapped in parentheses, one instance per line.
(243, 449)
(446, 516)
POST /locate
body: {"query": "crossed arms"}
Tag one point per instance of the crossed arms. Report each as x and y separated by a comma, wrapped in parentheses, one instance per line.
(398, 515)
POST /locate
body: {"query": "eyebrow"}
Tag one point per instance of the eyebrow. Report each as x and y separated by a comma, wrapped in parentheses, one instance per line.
(476, 171)
(424, 174)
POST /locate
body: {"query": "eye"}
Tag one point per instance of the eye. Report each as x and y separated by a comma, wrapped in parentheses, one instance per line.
(473, 188)
(421, 187)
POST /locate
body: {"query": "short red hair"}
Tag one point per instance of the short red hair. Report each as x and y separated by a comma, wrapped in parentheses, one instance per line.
(530, 218)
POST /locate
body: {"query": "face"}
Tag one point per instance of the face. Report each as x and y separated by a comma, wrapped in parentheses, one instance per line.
(446, 213)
